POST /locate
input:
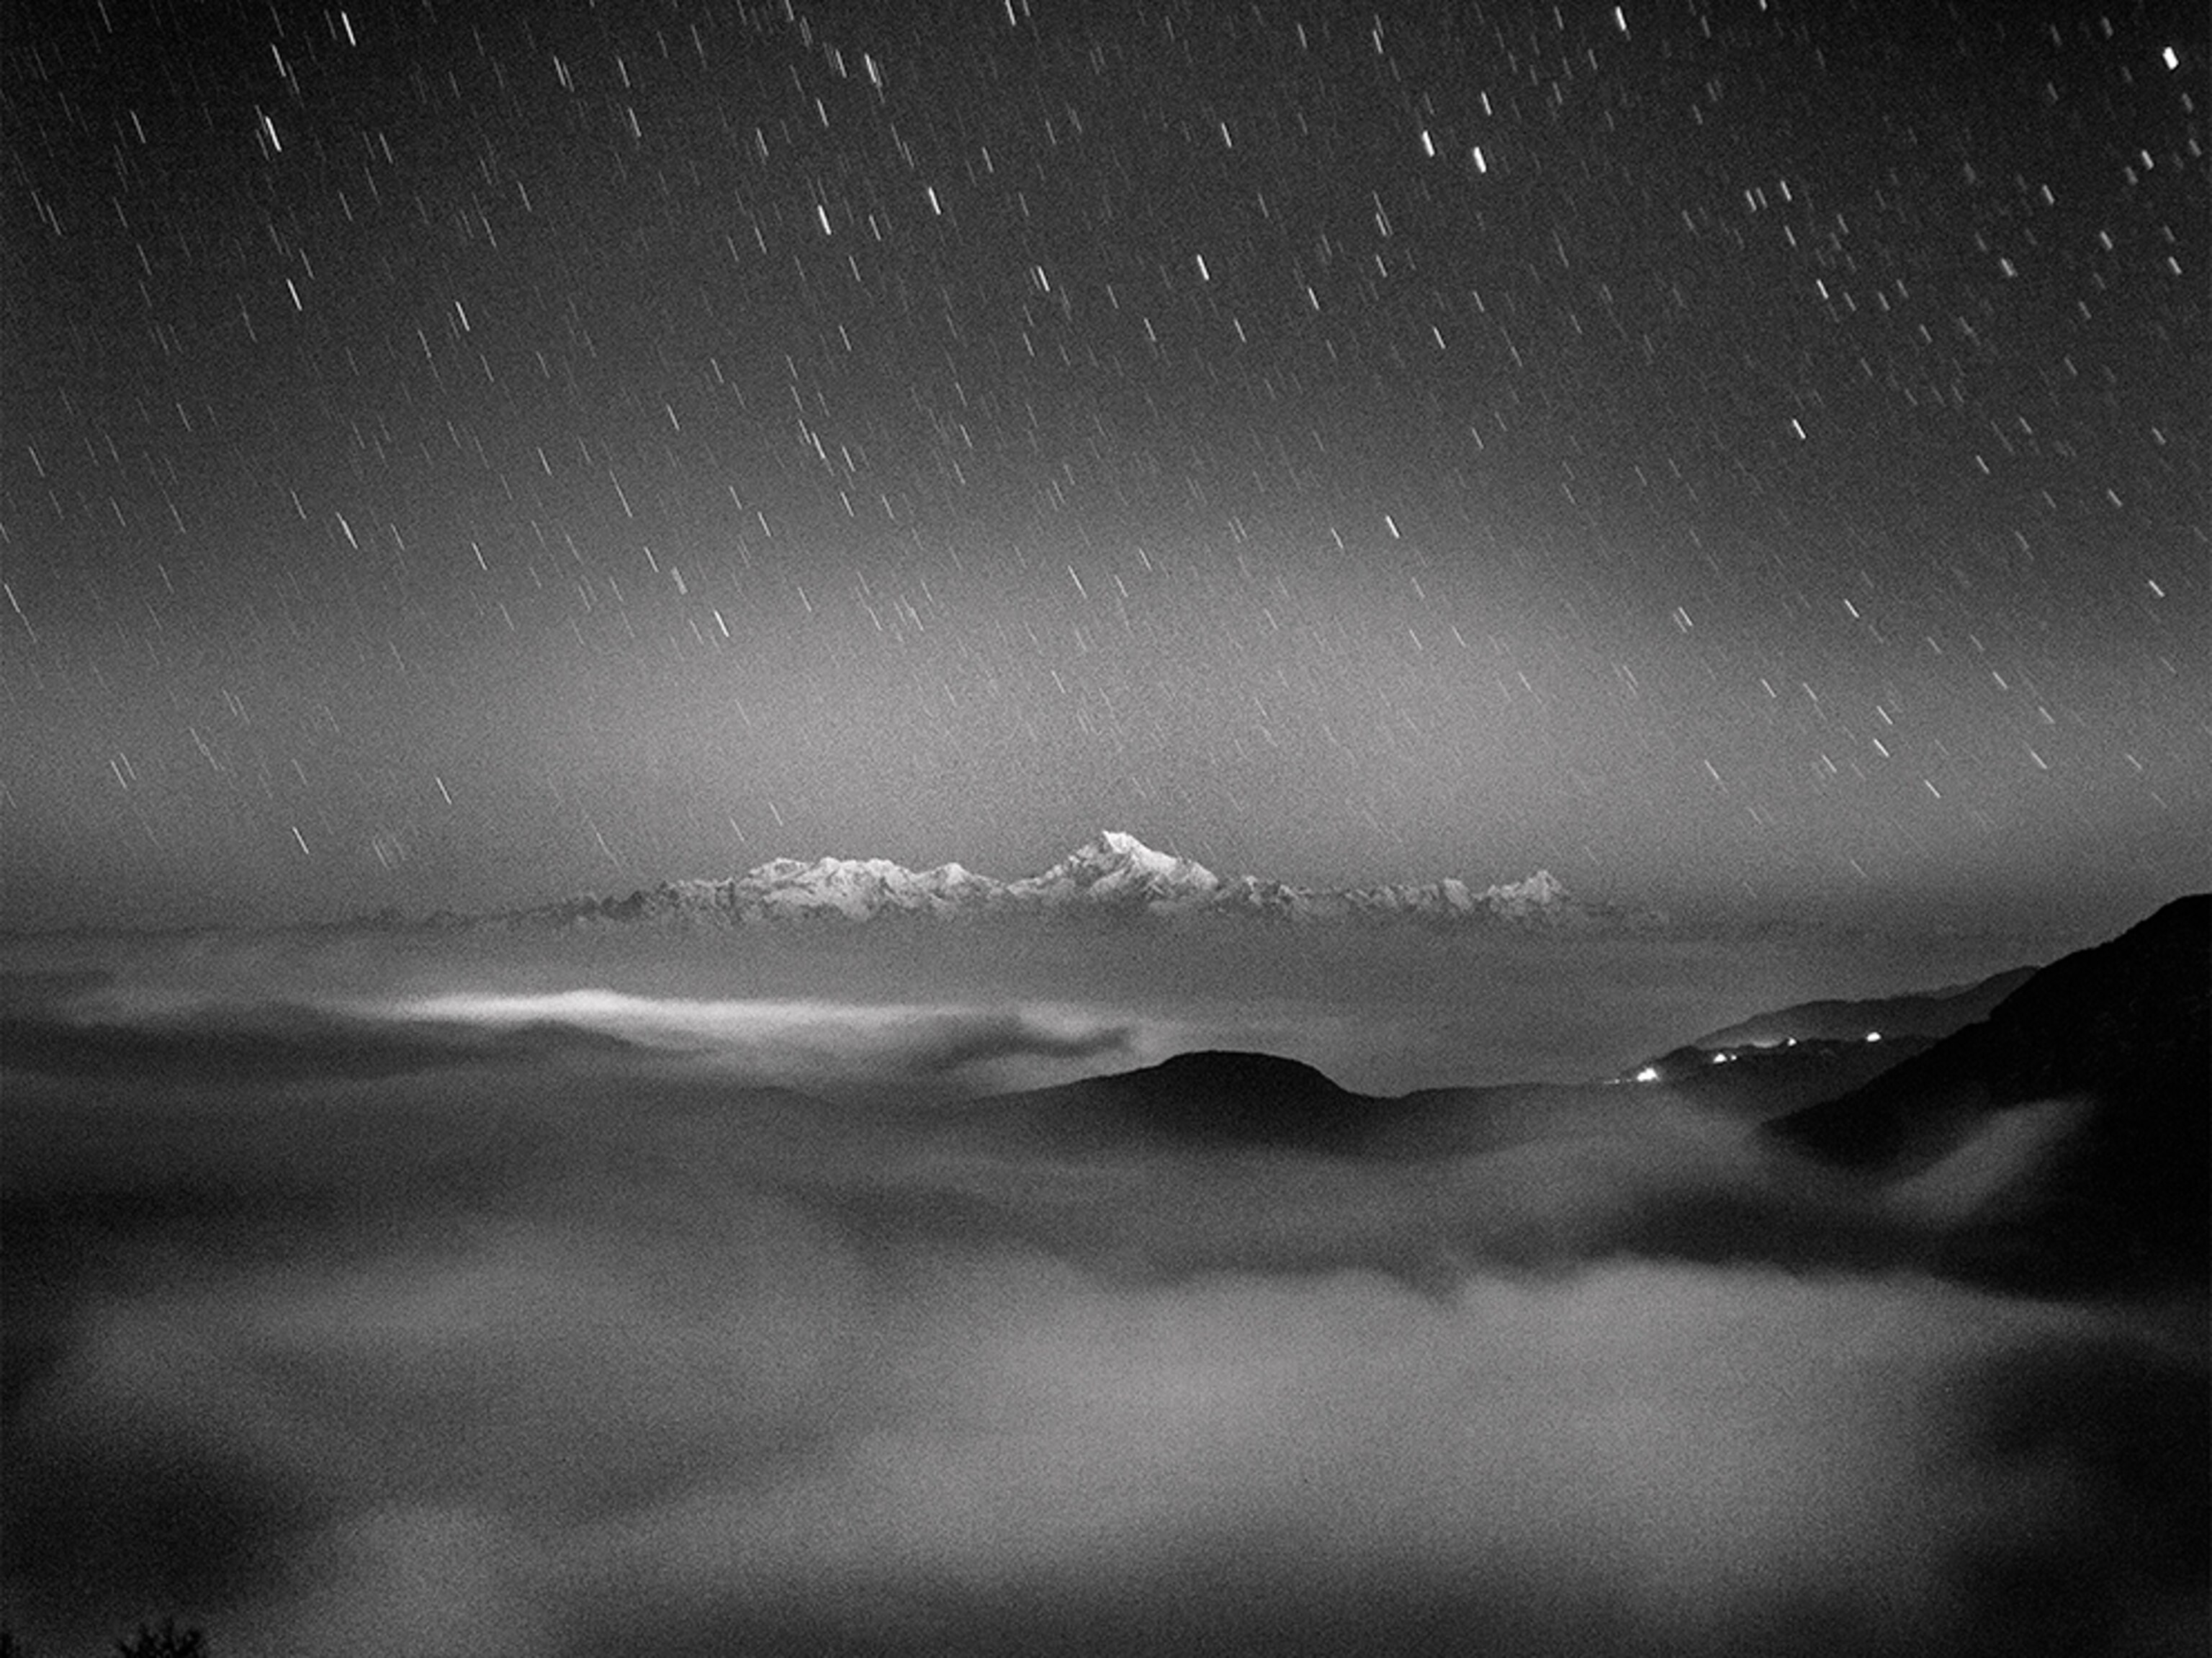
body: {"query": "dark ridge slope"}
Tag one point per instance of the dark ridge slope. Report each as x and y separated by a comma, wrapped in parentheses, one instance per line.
(1923, 1013)
(2125, 1025)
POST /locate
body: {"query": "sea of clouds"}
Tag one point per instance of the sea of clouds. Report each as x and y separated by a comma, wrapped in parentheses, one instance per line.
(555, 1322)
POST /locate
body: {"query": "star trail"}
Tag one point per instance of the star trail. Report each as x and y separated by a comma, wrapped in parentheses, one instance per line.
(1747, 458)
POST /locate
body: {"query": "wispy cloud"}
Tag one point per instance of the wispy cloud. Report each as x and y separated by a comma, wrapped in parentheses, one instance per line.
(824, 1043)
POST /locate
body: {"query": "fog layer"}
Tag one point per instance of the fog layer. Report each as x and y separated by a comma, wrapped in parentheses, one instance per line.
(549, 1326)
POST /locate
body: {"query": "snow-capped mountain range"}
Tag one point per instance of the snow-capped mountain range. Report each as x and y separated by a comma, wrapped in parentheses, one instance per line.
(1112, 875)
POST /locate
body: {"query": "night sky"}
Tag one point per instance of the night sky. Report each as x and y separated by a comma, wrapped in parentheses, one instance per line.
(1745, 455)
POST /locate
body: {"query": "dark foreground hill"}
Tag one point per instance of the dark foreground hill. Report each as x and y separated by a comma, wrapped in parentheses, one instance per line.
(1227, 1100)
(1217, 1099)
(2123, 1034)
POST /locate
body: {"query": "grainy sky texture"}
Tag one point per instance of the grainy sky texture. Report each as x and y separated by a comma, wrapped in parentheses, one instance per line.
(1748, 453)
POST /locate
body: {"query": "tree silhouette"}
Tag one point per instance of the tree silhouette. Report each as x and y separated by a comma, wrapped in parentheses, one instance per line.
(167, 1641)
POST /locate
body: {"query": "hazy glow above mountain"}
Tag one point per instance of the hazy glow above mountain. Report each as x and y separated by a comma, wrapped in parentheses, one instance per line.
(1749, 460)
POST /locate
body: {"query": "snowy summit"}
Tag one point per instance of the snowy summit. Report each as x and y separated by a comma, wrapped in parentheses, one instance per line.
(1119, 869)
(1114, 873)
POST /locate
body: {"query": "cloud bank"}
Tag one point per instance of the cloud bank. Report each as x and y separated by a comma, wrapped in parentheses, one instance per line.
(572, 1349)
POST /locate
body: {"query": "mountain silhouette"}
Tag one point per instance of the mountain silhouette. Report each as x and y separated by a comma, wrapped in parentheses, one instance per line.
(2124, 1030)
(1920, 1013)
(1244, 1099)
(1215, 1097)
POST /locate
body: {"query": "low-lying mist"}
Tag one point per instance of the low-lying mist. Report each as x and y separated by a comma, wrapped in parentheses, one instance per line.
(454, 1322)
(1383, 1011)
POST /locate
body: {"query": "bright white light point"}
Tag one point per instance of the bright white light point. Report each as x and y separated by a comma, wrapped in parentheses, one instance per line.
(1649, 1074)
(2171, 57)
(1428, 143)
(345, 21)
(1874, 1036)
(302, 839)
(1204, 275)
(1393, 524)
(1798, 427)
(823, 214)
(1620, 19)
(930, 191)
(1481, 164)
